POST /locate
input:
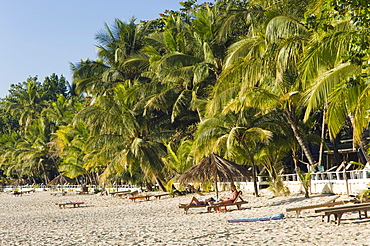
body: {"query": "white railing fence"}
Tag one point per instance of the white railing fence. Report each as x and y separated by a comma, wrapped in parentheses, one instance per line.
(344, 182)
(68, 187)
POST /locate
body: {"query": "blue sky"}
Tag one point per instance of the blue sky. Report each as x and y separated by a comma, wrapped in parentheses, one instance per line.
(41, 37)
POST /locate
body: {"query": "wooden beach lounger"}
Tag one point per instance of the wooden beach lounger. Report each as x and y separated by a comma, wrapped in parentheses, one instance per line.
(218, 207)
(121, 193)
(63, 193)
(28, 191)
(17, 193)
(236, 203)
(187, 207)
(330, 203)
(134, 198)
(74, 204)
(160, 195)
(340, 210)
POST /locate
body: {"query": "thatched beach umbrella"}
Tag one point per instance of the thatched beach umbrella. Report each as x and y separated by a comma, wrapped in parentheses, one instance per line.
(19, 182)
(61, 179)
(213, 167)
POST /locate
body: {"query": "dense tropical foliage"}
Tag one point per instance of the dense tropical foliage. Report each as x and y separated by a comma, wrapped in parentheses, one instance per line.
(254, 81)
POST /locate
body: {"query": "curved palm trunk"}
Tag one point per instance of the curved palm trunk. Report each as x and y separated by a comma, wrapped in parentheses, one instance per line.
(254, 174)
(321, 152)
(298, 172)
(45, 174)
(364, 146)
(216, 187)
(337, 159)
(160, 184)
(297, 134)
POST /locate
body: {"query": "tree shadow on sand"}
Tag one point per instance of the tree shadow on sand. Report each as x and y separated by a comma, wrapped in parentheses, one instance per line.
(290, 200)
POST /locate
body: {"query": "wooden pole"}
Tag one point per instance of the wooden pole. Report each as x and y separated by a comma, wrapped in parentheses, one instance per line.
(216, 187)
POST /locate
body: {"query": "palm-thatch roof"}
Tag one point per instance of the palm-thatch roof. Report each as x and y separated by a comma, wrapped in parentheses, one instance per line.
(216, 168)
(61, 179)
(19, 181)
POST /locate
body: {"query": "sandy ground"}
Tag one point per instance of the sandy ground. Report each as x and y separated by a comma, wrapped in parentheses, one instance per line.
(35, 219)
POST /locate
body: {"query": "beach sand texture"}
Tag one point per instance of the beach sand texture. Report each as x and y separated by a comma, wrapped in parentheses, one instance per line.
(35, 219)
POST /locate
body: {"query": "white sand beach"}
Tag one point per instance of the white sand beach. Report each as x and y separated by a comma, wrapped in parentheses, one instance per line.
(35, 219)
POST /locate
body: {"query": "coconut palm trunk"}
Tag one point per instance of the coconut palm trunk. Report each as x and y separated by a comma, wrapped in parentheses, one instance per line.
(254, 174)
(306, 182)
(321, 152)
(160, 184)
(290, 116)
(364, 146)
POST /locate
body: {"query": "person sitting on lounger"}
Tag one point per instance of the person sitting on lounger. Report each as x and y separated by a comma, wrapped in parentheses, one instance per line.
(231, 199)
(195, 202)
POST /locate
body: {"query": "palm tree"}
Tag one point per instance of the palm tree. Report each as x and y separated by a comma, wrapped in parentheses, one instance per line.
(118, 63)
(336, 65)
(235, 135)
(271, 158)
(70, 143)
(33, 152)
(179, 157)
(8, 160)
(267, 74)
(26, 101)
(121, 139)
(187, 63)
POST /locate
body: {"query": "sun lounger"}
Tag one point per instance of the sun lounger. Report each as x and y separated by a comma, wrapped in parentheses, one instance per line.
(329, 203)
(25, 191)
(236, 203)
(134, 198)
(340, 210)
(82, 192)
(133, 193)
(220, 206)
(74, 204)
(343, 206)
(160, 195)
(124, 193)
(217, 207)
(187, 207)
(17, 193)
(121, 193)
(63, 193)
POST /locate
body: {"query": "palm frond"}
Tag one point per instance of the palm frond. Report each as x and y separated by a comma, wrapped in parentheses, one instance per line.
(325, 84)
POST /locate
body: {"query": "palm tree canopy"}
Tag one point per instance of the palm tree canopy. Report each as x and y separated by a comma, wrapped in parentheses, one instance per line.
(213, 167)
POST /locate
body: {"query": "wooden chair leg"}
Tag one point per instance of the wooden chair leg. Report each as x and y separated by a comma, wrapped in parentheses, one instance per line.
(339, 216)
(298, 212)
(328, 219)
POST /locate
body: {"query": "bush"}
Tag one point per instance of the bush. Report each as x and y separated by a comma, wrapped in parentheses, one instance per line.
(278, 188)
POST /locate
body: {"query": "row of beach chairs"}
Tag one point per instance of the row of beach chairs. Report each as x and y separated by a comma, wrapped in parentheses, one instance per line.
(335, 208)
(133, 195)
